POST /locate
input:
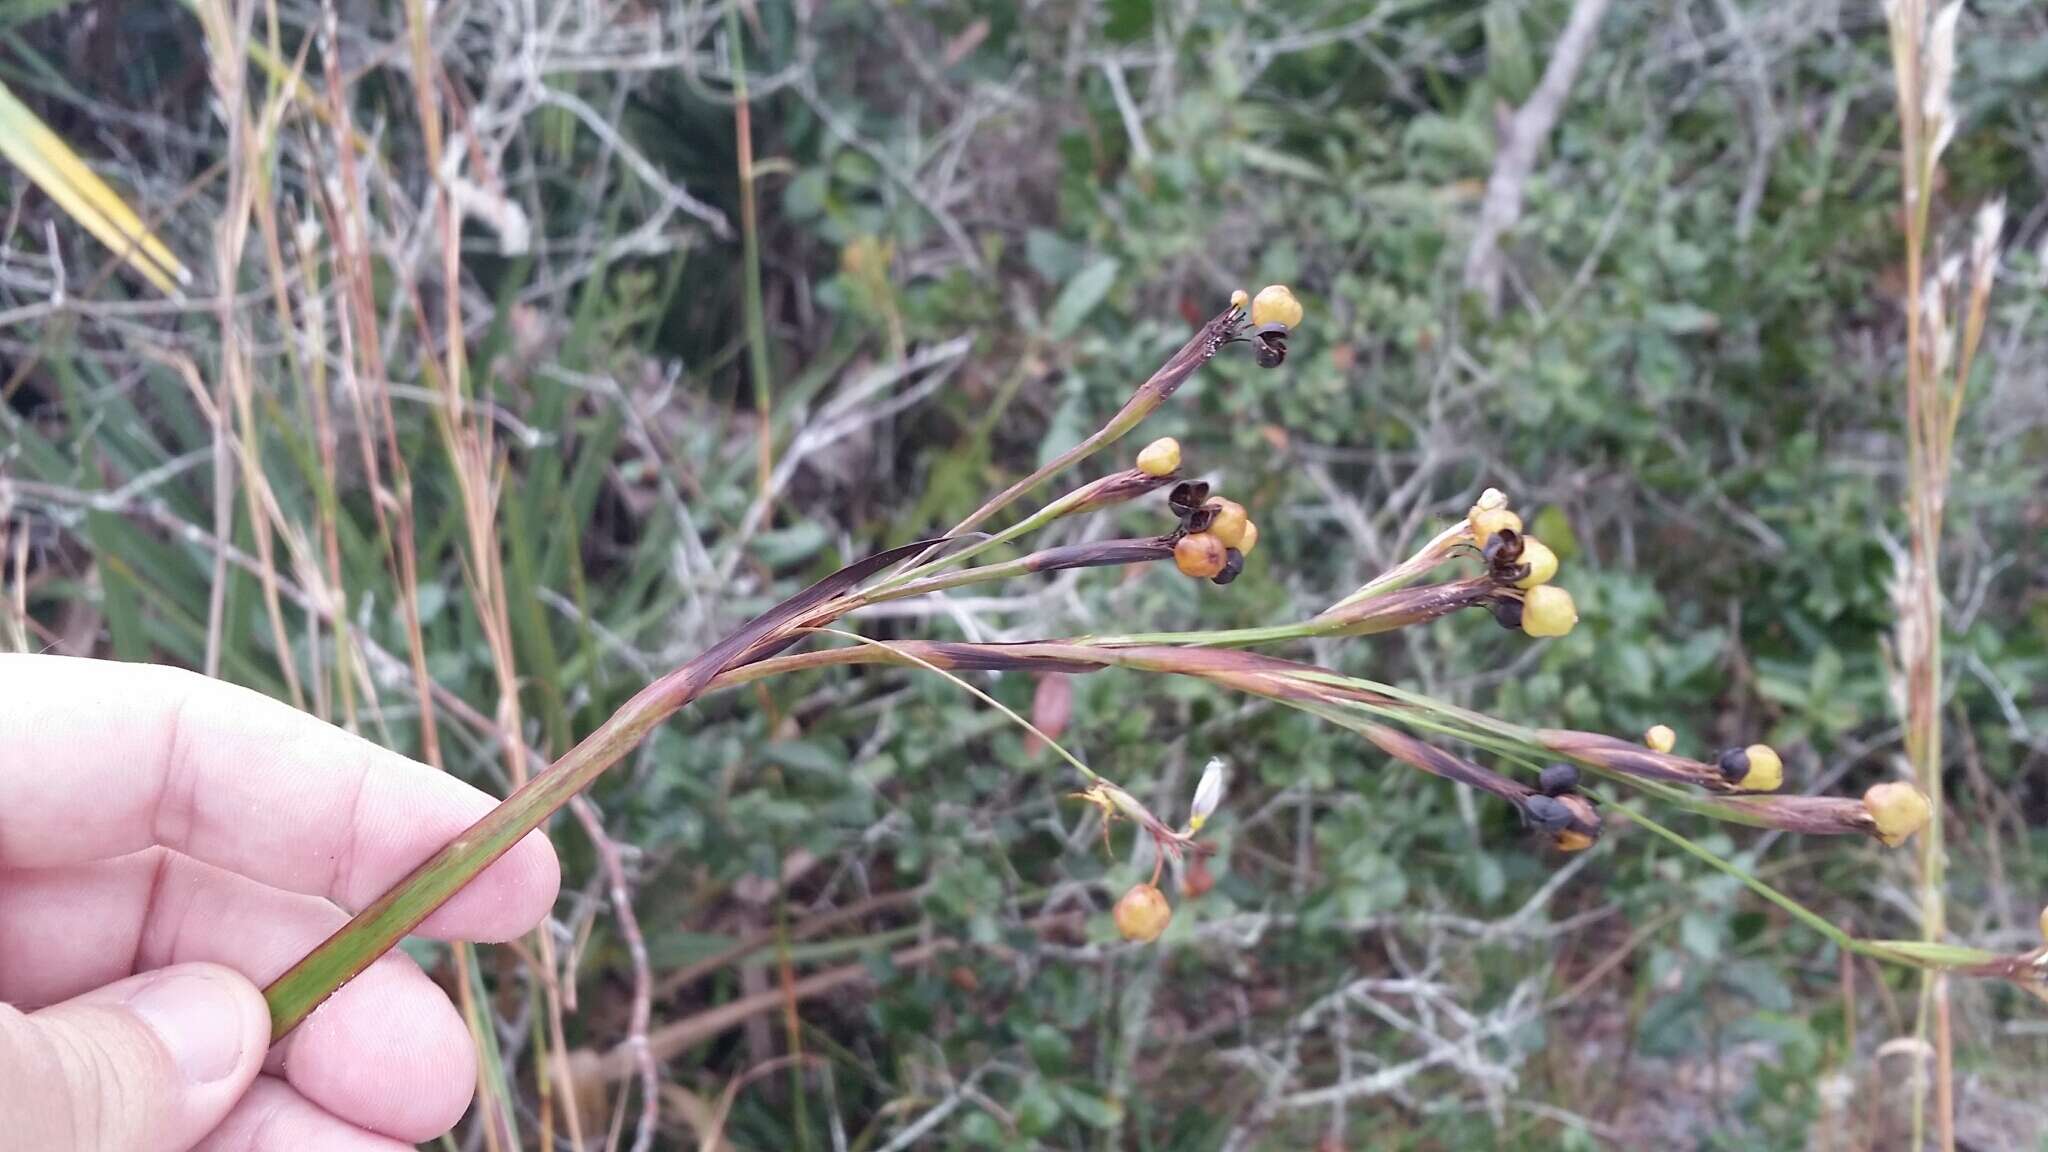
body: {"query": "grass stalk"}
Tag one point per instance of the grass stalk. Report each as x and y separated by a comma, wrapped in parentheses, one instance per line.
(750, 256)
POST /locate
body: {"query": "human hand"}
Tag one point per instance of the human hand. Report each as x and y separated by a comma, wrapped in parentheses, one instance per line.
(170, 843)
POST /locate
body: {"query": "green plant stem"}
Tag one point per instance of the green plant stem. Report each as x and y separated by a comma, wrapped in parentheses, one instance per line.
(750, 254)
(378, 928)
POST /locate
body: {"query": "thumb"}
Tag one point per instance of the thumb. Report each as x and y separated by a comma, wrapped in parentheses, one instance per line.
(151, 1063)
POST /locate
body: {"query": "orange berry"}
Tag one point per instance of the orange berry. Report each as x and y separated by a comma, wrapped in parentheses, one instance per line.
(1143, 913)
(1200, 554)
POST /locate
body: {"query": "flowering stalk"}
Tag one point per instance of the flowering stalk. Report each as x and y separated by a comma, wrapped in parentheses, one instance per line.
(379, 927)
(1923, 63)
(1209, 541)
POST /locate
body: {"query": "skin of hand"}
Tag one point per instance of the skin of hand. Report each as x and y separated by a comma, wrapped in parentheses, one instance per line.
(168, 845)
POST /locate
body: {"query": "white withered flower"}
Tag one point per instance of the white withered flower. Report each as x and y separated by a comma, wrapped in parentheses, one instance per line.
(1990, 224)
(1208, 794)
(1938, 73)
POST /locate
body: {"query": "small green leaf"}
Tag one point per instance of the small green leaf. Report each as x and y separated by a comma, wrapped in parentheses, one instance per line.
(1080, 297)
(1683, 319)
(1280, 163)
(1091, 1110)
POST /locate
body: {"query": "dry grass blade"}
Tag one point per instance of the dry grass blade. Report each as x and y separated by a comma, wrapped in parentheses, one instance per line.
(46, 159)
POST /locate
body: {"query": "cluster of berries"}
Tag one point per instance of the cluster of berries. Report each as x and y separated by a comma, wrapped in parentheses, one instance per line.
(1516, 560)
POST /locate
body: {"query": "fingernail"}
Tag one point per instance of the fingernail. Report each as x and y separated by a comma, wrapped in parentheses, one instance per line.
(199, 1020)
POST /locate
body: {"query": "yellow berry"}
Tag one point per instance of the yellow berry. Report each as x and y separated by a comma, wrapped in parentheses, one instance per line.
(1571, 840)
(1541, 560)
(1160, 458)
(1249, 540)
(1229, 523)
(1239, 299)
(1898, 810)
(1484, 522)
(1275, 304)
(1766, 771)
(1200, 555)
(1660, 738)
(1547, 610)
(1143, 913)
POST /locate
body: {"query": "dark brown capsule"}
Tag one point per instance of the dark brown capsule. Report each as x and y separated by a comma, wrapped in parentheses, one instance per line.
(1734, 765)
(1269, 345)
(1187, 496)
(1507, 612)
(1558, 779)
(1503, 556)
(1547, 813)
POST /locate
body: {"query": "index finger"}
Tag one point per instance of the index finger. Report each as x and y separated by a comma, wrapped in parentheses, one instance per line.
(100, 759)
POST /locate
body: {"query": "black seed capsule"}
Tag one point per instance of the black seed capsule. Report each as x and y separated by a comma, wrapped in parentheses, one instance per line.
(1269, 345)
(1734, 765)
(1558, 779)
(1233, 563)
(1507, 612)
(1187, 496)
(1547, 813)
(1503, 547)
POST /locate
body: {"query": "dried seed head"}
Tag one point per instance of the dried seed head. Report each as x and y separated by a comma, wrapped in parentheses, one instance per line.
(1558, 779)
(1143, 913)
(1487, 521)
(1898, 810)
(1269, 345)
(1275, 304)
(1160, 458)
(1229, 522)
(1660, 738)
(1503, 554)
(1240, 299)
(1984, 233)
(1938, 70)
(1548, 611)
(1200, 555)
(1187, 496)
(1540, 561)
(1208, 794)
(1766, 771)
